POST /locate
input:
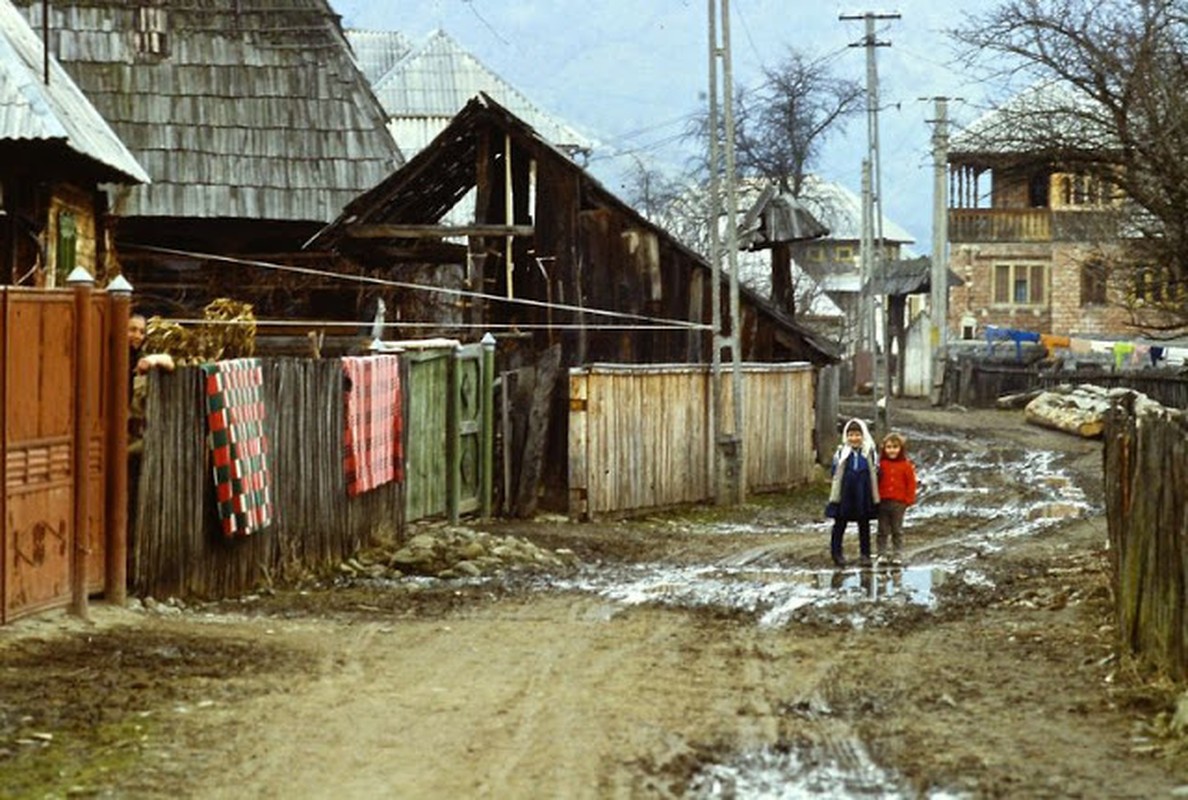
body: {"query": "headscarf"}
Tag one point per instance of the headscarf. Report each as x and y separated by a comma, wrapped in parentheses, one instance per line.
(868, 450)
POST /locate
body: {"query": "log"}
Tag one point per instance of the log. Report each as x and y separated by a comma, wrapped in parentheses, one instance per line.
(1080, 411)
(1010, 402)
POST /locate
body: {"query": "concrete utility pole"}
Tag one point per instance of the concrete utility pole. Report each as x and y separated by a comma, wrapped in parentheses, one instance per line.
(874, 201)
(729, 456)
(938, 299)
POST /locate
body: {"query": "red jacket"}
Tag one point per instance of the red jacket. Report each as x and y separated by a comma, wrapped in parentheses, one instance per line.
(897, 480)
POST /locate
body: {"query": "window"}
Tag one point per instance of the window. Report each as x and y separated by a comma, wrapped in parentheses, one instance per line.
(67, 247)
(1156, 286)
(1020, 284)
(843, 253)
(815, 253)
(1093, 283)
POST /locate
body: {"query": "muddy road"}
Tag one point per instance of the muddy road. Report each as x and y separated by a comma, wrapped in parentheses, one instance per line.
(708, 653)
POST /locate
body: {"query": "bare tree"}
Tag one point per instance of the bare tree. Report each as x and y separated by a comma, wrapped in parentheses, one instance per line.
(780, 127)
(1122, 66)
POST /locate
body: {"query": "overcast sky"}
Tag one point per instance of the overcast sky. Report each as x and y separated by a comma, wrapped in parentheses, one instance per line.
(629, 73)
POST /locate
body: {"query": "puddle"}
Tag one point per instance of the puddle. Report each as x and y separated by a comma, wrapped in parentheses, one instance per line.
(773, 595)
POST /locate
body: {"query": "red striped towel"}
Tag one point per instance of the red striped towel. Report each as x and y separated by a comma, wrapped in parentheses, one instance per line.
(374, 453)
(238, 446)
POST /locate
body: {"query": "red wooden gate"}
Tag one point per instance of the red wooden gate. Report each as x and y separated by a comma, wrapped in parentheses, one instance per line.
(60, 448)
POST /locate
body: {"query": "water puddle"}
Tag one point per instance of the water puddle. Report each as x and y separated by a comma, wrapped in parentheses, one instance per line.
(773, 595)
(806, 772)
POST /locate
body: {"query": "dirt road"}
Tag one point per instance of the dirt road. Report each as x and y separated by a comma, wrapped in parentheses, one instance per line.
(711, 653)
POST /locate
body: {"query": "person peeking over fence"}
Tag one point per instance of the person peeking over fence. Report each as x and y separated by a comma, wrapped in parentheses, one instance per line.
(141, 364)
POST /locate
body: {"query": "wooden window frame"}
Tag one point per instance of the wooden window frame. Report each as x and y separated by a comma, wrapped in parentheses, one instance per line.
(1020, 284)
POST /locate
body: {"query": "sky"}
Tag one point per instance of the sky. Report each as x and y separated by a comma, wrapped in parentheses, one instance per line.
(630, 73)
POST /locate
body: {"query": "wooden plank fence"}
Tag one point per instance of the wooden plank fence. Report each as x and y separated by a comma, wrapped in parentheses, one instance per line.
(642, 437)
(979, 384)
(177, 546)
(1146, 465)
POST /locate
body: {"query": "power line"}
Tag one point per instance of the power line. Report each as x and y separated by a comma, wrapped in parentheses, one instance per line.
(675, 323)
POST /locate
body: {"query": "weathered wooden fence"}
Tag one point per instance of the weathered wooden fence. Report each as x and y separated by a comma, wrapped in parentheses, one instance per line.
(1146, 465)
(979, 384)
(177, 546)
(642, 437)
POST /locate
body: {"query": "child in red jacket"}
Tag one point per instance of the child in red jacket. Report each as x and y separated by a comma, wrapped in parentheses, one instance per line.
(897, 491)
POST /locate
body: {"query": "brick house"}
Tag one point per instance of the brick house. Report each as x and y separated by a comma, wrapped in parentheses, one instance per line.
(1032, 239)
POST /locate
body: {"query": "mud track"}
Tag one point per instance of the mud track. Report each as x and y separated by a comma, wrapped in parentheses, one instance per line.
(707, 653)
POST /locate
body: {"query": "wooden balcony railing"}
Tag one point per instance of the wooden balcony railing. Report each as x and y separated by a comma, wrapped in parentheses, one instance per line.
(972, 225)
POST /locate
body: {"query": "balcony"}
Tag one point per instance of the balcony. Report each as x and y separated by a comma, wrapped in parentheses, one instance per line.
(973, 225)
(988, 225)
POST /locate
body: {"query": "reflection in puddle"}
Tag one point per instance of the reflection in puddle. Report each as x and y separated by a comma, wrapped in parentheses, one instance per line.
(773, 594)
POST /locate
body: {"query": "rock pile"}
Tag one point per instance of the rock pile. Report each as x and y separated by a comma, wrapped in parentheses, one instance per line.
(458, 552)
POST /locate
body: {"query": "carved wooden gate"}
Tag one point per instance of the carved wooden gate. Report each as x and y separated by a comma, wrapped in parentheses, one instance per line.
(56, 442)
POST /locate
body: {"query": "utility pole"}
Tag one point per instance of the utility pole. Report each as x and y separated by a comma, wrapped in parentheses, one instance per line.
(873, 200)
(938, 299)
(730, 482)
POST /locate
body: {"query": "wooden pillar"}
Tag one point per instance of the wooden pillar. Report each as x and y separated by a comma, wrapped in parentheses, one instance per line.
(119, 300)
(81, 282)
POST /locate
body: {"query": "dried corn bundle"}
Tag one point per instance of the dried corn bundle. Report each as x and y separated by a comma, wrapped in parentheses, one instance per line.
(229, 332)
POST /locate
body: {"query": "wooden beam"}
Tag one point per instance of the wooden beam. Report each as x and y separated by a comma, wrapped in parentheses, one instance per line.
(435, 231)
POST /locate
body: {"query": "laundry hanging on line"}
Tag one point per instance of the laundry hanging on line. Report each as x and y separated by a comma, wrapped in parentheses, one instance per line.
(374, 453)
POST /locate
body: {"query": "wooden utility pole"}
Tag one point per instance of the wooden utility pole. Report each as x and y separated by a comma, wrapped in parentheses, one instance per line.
(873, 201)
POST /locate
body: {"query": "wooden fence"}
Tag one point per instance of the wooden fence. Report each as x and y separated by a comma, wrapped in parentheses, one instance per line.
(978, 384)
(177, 547)
(642, 437)
(1146, 464)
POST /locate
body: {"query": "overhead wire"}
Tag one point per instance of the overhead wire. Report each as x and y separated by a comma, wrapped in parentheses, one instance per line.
(370, 279)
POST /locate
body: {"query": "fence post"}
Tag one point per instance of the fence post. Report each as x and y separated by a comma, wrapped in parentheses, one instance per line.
(81, 281)
(488, 395)
(119, 294)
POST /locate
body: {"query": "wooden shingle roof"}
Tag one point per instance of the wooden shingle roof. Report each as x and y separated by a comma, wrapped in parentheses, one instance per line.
(251, 110)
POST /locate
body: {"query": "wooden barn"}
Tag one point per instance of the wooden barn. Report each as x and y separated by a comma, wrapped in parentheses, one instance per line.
(548, 261)
(255, 126)
(549, 257)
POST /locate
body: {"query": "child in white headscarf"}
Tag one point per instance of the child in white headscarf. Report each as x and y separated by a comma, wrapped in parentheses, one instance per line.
(854, 493)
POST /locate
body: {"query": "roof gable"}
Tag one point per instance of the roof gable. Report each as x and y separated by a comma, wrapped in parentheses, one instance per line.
(438, 77)
(251, 110)
(32, 109)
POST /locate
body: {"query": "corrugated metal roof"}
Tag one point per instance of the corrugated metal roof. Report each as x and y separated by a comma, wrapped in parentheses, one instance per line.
(253, 109)
(840, 210)
(376, 52)
(1046, 116)
(31, 109)
(431, 84)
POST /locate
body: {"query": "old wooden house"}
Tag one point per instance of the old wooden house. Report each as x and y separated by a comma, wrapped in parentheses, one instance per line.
(548, 259)
(255, 126)
(57, 150)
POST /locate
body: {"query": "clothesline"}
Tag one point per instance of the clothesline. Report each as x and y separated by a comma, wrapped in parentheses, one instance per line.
(1125, 352)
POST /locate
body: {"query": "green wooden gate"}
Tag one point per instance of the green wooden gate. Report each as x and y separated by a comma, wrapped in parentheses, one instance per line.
(447, 462)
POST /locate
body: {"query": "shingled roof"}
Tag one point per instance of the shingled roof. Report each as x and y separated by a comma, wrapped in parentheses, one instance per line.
(37, 108)
(251, 109)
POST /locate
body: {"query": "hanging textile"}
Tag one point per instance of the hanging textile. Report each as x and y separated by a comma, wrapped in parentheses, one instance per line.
(238, 445)
(373, 453)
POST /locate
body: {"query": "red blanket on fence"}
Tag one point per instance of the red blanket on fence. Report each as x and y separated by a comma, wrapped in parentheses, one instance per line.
(374, 453)
(238, 446)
